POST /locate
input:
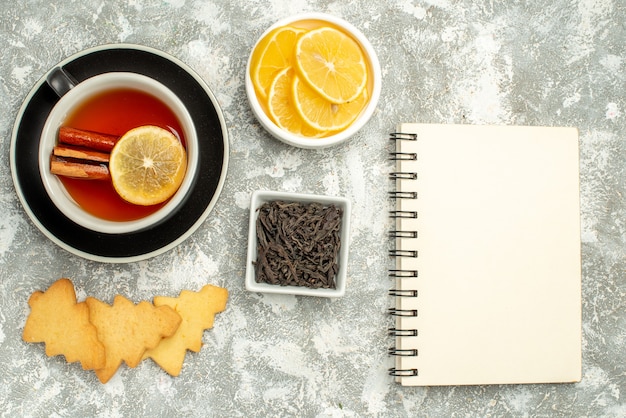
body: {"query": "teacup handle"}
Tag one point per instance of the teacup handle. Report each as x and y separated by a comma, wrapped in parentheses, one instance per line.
(61, 81)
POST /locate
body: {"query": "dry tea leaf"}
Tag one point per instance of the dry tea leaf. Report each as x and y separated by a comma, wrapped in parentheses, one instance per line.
(298, 244)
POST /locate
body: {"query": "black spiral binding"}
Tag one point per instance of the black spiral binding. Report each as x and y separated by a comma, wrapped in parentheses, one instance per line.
(403, 156)
(402, 372)
(402, 312)
(395, 136)
(403, 253)
(405, 352)
(400, 175)
(402, 234)
(397, 273)
(402, 273)
(396, 332)
(403, 195)
(402, 214)
(403, 293)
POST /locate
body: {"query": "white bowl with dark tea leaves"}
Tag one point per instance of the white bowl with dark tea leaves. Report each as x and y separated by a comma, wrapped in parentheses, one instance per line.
(298, 244)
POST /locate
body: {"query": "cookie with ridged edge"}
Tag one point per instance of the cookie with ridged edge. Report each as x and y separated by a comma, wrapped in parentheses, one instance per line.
(57, 320)
(128, 330)
(197, 310)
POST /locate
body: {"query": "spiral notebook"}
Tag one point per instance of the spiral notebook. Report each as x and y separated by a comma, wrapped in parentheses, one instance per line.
(488, 255)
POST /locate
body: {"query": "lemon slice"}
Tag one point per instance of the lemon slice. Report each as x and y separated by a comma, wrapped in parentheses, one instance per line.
(147, 165)
(321, 114)
(281, 108)
(332, 63)
(273, 54)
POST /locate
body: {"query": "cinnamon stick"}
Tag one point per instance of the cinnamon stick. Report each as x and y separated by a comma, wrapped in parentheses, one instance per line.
(79, 170)
(94, 140)
(80, 153)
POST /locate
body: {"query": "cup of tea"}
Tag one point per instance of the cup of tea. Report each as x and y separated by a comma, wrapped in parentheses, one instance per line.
(102, 109)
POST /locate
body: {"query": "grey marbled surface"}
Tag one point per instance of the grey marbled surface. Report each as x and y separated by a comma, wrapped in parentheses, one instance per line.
(559, 62)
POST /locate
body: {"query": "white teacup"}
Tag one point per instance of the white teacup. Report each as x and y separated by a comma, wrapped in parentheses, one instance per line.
(73, 95)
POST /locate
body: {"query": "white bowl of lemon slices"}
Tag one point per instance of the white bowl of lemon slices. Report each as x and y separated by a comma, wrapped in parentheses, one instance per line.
(313, 80)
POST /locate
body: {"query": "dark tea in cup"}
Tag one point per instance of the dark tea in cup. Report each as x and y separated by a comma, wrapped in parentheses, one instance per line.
(116, 112)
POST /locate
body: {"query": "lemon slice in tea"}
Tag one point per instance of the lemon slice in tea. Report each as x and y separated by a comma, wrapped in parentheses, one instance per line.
(147, 165)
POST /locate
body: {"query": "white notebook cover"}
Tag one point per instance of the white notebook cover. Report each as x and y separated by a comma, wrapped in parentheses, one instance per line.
(498, 256)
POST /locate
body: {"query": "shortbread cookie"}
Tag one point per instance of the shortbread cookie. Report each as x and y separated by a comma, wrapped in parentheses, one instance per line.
(63, 325)
(197, 310)
(128, 330)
